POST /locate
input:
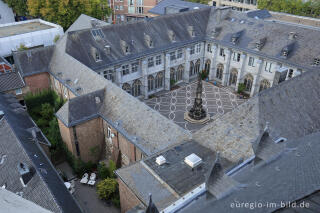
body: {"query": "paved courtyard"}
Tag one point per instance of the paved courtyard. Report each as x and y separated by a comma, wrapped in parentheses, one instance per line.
(173, 105)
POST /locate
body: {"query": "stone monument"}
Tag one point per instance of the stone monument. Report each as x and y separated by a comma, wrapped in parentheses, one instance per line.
(197, 114)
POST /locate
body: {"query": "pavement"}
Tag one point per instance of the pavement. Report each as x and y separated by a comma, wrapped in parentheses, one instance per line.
(216, 101)
(86, 195)
(90, 203)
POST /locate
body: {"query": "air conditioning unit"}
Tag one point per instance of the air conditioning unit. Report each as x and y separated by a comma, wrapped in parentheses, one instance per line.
(160, 160)
(192, 160)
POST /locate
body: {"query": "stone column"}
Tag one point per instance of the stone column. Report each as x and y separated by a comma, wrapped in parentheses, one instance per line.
(256, 79)
(144, 82)
(186, 66)
(118, 76)
(241, 71)
(213, 65)
(167, 71)
(226, 72)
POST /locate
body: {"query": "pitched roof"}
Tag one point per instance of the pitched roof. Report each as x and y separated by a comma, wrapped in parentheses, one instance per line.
(291, 176)
(6, 12)
(160, 8)
(10, 81)
(291, 108)
(17, 145)
(81, 43)
(146, 128)
(85, 22)
(34, 61)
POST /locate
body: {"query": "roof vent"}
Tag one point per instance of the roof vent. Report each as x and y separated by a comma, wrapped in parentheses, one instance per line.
(196, 8)
(216, 31)
(59, 73)
(160, 160)
(68, 80)
(78, 89)
(316, 62)
(107, 49)
(192, 160)
(293, 35)
(2, 159)
(280, 140)
(1, 114)
(98, 101)
(76, 81)
(191, 31)
(25, 172)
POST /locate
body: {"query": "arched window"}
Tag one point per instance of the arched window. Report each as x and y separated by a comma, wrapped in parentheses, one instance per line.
(179, 74)
(219, 71)
(264, 84)
(197, 67)
(191, 69)
(150, 83)
(136, 88)
(172, 74)
(159, 80)
(233, 77)
(248, 80)
(207, 66)
(126, 87)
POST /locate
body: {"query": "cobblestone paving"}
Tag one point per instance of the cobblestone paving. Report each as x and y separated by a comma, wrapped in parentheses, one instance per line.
(173, 105)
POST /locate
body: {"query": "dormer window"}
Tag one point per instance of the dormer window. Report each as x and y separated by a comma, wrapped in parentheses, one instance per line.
(293, 35)
(148, 40)
(191, 31)
(172, 36)
(287, 50)
(235, 37)
(260, 43)
(316, 61)
(97, 57)
(216, 31)
(125, 47)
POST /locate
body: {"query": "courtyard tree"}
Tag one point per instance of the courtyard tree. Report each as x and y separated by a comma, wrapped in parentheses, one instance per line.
(65, 12)
(18, 6)
(296, 7)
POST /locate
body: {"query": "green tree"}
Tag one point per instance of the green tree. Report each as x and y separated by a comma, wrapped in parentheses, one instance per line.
(65, 12)
(107, 188)
(18, 6)
(200, 1)
(296, 7)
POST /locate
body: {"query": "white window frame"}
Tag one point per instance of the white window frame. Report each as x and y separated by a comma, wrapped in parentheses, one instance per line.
(18, 91)
(251, 61)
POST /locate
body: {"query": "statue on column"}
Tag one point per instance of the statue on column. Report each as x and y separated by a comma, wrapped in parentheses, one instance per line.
(197, 114)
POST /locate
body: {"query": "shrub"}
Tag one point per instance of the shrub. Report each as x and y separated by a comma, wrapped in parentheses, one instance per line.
(241, 88)
(103, 171)
(112, 167)
(204, 75)
(56, 38)
(107, 188)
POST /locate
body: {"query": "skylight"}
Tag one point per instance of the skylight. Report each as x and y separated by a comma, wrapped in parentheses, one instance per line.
(97, 34)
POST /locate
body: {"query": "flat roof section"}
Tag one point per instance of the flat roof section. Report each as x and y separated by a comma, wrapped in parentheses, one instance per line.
(18, 29)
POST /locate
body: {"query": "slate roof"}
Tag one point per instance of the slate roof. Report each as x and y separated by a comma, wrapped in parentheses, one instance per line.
(85, 22)
(34, 61)
(80, 44)
(177, 178)
(292, 175)
(143, 126)
(10, 81)
(160, 8)
(261, 14)
(46, 188)
(291, 108)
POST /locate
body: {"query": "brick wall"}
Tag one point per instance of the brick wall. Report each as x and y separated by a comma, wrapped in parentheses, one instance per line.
(37, 82)
(128, 200)
(66, 134)
(91, 140)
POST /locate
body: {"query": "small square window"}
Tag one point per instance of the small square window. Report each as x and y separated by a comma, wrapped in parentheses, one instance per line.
(158, 60)
(150, 62)
(18, 91)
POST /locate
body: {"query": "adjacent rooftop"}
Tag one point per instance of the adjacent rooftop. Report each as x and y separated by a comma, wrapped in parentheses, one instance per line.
(18, 28)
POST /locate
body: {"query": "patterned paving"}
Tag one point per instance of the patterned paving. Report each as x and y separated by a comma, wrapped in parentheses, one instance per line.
(216, 101)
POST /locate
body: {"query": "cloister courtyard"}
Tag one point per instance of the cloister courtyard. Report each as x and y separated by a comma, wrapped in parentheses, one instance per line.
(216, 101)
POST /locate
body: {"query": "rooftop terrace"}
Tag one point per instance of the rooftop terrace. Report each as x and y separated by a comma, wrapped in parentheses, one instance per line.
(17, 29)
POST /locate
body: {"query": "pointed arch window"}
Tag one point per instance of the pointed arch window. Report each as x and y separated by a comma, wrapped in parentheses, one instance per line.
(126, 87)
(219, 71)
(150, 83)
(264, 84)
(248, 80)
(233, 77)
(136, 88)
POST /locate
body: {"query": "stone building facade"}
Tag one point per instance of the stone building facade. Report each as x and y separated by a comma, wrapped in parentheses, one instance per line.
(240, 5)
